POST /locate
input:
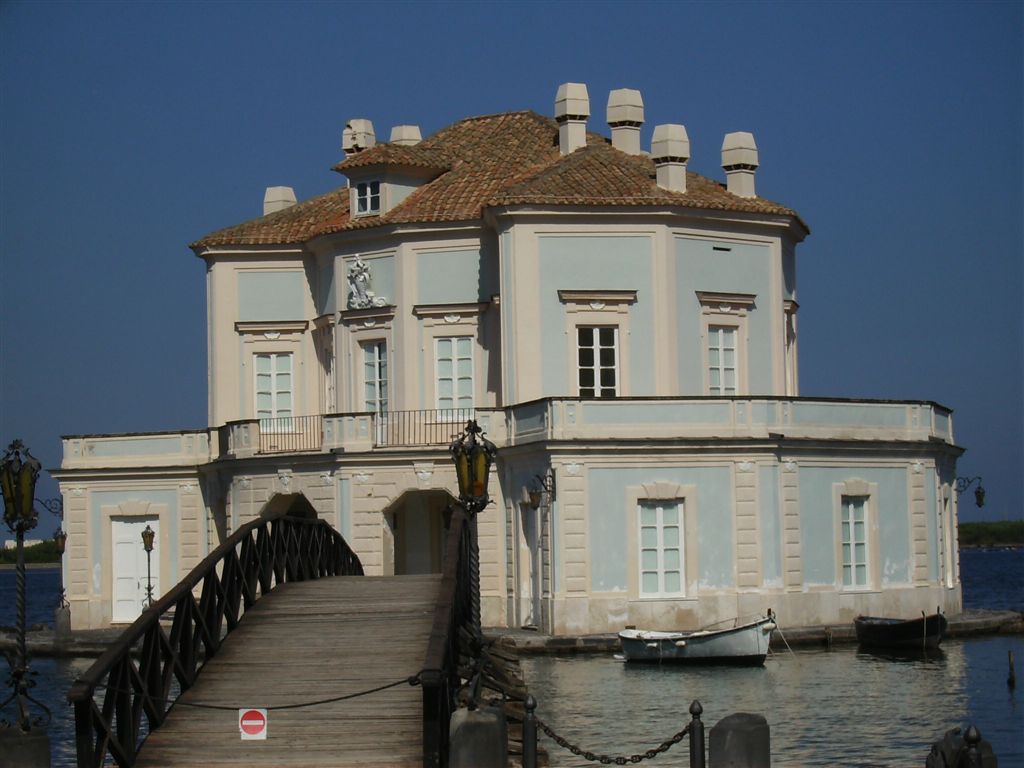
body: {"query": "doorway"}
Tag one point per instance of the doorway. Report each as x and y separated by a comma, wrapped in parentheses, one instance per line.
(418, 522)
(129, 566)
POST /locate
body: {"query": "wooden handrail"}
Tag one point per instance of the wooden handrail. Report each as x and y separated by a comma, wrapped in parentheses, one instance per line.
(253, 560)
(439, 676)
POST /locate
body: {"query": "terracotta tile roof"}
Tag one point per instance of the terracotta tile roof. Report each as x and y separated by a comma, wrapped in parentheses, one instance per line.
(510, 158)
(416, 156)
(600, 175)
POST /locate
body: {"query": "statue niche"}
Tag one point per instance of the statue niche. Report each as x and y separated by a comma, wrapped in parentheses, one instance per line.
(359, 294)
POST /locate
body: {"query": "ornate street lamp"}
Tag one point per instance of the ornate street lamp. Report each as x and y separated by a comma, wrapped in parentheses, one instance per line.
(19, 471)
(473, 455)
(963, 483)
(147, 543)
(60, 541)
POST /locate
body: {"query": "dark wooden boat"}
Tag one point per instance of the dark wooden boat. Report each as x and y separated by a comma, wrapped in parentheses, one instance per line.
(923, 632)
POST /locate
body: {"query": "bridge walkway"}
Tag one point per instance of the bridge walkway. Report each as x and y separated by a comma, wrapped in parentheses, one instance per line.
(307, 641)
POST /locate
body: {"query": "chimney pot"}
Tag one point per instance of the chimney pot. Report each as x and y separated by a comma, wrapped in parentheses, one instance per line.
(572, 108)
(625, 116)
(358, 135)
(277, 199)
(670, 151)
(406, 135)
(739, 160)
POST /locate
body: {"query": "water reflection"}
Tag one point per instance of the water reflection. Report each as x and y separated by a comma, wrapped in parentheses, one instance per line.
(840, 707)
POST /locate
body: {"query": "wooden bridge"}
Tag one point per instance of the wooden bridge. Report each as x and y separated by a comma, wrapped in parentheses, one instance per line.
(354, 670)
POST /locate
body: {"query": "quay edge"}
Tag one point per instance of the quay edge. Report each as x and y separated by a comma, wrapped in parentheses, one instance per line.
(93, 642)
(967, 624)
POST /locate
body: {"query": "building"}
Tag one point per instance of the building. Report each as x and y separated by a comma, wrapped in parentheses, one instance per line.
(623, 329)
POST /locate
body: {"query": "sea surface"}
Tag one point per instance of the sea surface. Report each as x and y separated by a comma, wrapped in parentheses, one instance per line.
(841, 707)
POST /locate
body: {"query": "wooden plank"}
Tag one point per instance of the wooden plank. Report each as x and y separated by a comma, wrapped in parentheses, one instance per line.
(303, 642)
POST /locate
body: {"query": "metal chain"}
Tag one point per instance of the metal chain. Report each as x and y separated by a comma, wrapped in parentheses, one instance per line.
(617, 759)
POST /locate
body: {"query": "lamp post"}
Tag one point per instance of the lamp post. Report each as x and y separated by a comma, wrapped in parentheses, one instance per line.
(147, 543)
(963, 483)
(19, 471)
(473, 455)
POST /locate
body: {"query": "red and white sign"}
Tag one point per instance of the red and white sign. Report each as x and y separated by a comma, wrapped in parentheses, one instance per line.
(252, 724)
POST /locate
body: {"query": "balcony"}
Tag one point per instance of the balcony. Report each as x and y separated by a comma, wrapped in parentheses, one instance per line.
(551, 419)
(710, 418)
(349, 433)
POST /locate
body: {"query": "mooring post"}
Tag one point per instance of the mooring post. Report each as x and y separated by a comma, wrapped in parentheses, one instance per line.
(973, 738)
(696, 736)
(530, 733)
(1011, 680)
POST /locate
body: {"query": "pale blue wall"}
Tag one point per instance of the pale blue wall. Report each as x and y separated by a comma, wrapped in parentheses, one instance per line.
(817, 522)
(745, 268)
(169, 523)
(788, 271)
(609, 515)
(143, 446)
(613, 262)
(655, 412)
(271, 295)
(771, 526)
(449, 277)
(857, 415)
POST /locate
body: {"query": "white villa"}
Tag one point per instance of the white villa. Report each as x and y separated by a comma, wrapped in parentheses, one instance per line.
(624, 330)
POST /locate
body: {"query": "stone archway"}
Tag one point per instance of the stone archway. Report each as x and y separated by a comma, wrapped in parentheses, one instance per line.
(417, 522)
(290, 504)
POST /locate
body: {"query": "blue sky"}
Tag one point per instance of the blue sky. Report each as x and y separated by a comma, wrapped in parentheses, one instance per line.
(129, 130)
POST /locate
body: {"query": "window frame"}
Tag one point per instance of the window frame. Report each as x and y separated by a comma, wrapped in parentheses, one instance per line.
(597, 366)
(661, 570)
(369, 196)
(455, 377)
(274, 422)
(856, 488)
(725, 310)
(381, 367)
(720, 333)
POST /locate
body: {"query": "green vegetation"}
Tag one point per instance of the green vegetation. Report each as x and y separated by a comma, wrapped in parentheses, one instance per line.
(1002, 533)
(43, 552)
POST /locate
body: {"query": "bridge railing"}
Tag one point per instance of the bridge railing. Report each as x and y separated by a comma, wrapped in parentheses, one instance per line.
(440, 677)
(135, 676)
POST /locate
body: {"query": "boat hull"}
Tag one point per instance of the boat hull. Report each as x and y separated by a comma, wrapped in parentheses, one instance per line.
(879, 632)
(743, 645)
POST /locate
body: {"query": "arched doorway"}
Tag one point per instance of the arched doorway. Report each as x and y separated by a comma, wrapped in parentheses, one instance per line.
(417, 522)
(289, 504)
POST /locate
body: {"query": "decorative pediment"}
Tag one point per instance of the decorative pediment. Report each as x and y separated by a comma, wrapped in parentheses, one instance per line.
(726, 303)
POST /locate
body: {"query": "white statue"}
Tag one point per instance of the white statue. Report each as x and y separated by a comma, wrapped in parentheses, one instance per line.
(359, 294)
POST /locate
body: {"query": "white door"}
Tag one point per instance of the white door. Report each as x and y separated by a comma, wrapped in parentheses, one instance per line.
(129, 565)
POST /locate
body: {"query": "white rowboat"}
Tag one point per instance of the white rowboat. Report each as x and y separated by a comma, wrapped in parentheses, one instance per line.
(742, 644)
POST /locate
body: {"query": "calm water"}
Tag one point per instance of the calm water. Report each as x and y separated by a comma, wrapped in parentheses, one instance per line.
(825, 708)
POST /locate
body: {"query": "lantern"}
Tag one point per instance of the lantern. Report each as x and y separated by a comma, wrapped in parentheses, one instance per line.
(473, 455)
(18, 480)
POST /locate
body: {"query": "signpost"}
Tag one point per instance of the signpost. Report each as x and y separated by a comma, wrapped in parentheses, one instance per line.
(252, 724)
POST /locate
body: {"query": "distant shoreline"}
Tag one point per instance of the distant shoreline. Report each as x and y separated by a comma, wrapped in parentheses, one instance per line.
(32, 566)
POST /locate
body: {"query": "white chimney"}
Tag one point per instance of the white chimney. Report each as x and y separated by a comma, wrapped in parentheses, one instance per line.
(739, 160)
(277, 199)
(406, 135)
(670, 150)
(625, 116)
(572, 108)
(358, 135)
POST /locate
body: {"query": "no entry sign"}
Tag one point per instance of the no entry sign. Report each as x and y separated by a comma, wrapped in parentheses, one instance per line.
(252, 724)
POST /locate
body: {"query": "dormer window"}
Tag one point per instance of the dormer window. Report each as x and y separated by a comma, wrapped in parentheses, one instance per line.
(367, 197)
